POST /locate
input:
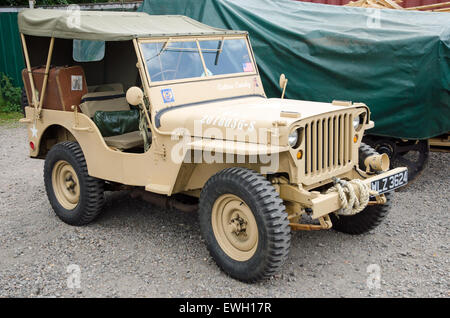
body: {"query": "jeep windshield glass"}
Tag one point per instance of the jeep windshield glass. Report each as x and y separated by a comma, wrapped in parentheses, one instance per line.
(226, 56)
(181, 60)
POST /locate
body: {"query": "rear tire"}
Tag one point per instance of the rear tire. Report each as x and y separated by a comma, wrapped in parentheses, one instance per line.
(244, 224)
(371, 216)
(76, 197)
(413, 154)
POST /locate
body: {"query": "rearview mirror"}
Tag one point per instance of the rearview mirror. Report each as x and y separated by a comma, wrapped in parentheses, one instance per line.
(135, 96)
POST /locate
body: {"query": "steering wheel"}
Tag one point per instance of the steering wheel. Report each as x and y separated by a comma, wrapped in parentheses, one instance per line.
(161, 73)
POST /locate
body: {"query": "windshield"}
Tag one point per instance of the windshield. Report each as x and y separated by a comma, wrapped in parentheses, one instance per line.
(173, 60)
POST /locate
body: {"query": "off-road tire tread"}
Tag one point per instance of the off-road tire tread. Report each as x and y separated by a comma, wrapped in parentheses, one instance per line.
(364, 221)
(272, 211)
(92, 197)
(371, 216)
(365, 151)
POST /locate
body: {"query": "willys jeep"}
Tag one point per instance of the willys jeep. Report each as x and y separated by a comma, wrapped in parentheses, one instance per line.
(194, 131)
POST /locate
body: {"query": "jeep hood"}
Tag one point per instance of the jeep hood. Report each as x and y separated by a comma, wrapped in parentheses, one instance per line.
(239, 115)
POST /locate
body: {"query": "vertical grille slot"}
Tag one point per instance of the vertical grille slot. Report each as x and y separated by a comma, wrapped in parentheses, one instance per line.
(336, 141)
(314, 146)
(319, 146)
(328, 144)
(325, 143)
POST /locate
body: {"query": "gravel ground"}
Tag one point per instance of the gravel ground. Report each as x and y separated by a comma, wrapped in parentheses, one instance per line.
(134, 249)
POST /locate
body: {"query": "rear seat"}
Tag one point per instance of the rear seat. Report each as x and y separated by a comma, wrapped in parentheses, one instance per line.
(105, 88)
(106, 101)
(113, 100)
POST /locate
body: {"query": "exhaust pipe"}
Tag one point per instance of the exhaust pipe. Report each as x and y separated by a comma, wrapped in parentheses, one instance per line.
(163, 201)
(377, 163)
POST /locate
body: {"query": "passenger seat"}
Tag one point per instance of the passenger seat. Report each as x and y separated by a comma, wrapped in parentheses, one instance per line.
(126, 141)
(111, 101)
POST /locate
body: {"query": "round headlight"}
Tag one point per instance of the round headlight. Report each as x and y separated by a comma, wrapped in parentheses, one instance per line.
(293, 138)
(356, 122)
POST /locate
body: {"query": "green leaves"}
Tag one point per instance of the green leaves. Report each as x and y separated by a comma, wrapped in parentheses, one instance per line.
(10, 94)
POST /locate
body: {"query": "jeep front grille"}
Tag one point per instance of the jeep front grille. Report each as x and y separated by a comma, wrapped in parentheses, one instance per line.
(328, 143)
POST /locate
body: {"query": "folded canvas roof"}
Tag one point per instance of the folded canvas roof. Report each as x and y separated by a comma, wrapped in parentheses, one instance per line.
(110, 26)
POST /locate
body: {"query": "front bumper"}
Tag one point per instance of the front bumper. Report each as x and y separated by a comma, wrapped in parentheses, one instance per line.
(323, 204)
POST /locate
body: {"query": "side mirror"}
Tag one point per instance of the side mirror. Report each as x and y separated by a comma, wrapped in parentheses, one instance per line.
(135, 96)
(283, 83)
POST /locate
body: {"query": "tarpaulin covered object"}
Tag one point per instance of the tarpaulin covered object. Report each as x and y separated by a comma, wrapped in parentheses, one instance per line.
(397, 62)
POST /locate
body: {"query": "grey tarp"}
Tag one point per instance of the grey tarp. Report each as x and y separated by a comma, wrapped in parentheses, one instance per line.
(395, 61)
(109, 26)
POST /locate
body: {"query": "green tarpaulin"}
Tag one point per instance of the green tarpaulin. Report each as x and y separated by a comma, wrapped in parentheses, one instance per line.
(11, 57)
(397, 62)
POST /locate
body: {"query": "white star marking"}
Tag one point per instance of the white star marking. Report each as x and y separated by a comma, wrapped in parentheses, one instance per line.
(34, 131)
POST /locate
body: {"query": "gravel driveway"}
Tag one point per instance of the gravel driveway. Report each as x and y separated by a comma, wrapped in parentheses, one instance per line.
(134, 249)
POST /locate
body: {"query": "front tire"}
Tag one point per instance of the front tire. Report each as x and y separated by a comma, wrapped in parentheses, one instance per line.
(244, 224)
(364, 221)
(76, 197)
(371, 216)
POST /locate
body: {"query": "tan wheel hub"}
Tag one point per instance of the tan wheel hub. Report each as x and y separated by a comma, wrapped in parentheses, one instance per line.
(234, 227)
(65, 185)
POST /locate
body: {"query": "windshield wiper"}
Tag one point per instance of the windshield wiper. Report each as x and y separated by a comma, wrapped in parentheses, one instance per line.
(163, 48)
(219, 50)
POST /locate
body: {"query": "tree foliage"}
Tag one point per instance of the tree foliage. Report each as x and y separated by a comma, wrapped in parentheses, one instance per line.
(10, 95)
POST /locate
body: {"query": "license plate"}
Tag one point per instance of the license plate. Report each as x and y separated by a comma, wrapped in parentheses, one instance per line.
(390, 183)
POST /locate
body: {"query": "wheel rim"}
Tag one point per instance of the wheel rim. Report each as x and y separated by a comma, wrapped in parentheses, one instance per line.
(234, 227)
(66, 185)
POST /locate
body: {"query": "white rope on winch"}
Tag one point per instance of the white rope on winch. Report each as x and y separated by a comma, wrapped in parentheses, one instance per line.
(350, 203)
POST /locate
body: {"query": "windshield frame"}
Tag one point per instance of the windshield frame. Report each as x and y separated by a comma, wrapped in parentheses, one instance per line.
(196, 39)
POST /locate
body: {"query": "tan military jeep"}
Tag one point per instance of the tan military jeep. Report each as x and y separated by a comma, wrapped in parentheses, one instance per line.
(194, 131)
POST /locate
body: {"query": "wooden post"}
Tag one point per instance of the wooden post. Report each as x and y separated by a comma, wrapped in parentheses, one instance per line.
(47, 68)
(30, 74)
(143, 80)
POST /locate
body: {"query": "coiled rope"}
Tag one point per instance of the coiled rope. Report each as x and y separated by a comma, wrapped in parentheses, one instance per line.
(350, 203)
